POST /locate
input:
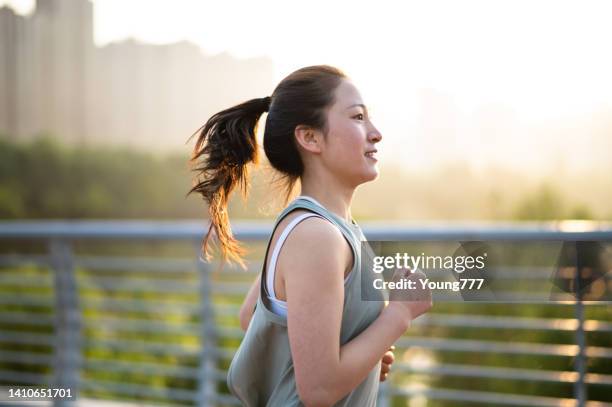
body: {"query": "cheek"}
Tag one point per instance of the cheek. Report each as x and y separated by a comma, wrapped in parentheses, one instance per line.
(347, 160)
(346, 150)
(350, 139)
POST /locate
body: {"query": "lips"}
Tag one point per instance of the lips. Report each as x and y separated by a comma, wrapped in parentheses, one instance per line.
(371, 154)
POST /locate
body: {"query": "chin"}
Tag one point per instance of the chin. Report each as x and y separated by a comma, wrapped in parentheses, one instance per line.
(369, 176)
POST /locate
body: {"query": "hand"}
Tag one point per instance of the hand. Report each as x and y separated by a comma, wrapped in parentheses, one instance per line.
(414, 301)
(387, 360)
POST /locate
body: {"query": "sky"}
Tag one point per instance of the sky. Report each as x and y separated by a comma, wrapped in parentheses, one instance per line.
(433, 73)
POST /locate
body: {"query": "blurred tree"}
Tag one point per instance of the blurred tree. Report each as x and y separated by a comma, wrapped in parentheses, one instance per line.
(43, 179)
(546, 203)
(581, 211)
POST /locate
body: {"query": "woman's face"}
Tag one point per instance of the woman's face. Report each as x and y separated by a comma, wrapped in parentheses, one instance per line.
(349, 149)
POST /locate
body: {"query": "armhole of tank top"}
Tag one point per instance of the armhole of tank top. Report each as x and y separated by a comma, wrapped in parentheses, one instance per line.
(271, 268)
(264, 273)
(264, 270)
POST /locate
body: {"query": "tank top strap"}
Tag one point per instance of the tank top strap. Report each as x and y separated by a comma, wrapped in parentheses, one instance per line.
(348, 230)
(311, 205)
(277, 248)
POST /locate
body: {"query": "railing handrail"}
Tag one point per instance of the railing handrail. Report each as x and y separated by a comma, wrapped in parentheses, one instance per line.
(257, 230)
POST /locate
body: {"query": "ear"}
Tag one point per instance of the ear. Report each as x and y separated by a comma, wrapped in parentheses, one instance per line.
(308, 138)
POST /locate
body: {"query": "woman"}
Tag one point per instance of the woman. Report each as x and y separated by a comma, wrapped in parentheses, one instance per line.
(311, 339)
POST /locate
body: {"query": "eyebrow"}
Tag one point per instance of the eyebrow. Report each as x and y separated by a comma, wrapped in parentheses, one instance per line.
(358, 104)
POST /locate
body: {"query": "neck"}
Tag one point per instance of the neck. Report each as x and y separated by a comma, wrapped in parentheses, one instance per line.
(335, 196)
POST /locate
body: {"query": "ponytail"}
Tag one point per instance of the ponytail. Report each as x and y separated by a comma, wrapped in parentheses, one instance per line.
(225, 145)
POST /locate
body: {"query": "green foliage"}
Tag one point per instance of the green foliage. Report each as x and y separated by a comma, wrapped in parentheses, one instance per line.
(546, 203)
(581, 211)
(42, 179)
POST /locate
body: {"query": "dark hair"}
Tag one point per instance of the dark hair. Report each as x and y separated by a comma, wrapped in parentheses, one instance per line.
(227, 143)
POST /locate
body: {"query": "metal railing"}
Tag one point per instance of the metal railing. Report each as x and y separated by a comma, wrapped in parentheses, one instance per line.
(114, 324)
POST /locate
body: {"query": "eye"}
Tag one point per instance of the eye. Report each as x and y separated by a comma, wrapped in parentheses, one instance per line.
(360, 116)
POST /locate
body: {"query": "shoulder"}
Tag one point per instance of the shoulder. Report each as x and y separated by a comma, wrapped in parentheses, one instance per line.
(316, 231)
(316, 243)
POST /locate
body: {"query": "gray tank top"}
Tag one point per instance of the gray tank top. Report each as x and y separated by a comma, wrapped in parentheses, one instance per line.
(261, 372)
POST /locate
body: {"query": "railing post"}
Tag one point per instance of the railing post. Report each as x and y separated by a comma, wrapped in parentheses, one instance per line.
(580, 362)
(207, 382)
(67, 350)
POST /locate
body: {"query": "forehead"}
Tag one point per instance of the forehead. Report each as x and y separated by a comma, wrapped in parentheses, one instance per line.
(346, 94)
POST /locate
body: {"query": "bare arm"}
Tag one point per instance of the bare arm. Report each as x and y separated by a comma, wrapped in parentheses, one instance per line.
(314, 258)
(246, 310)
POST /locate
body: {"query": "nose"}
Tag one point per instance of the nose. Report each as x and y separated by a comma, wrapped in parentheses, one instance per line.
(374, 135)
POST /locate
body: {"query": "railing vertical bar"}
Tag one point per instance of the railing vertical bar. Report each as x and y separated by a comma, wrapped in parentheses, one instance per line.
(580, 361)
(207, 381)
(581, 357)
(67, 322)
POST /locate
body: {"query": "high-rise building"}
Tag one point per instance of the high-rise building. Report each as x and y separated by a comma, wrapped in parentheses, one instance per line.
(54, 80)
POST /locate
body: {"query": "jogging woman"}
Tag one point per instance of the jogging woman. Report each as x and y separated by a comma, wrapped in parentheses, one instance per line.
(310, 338)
